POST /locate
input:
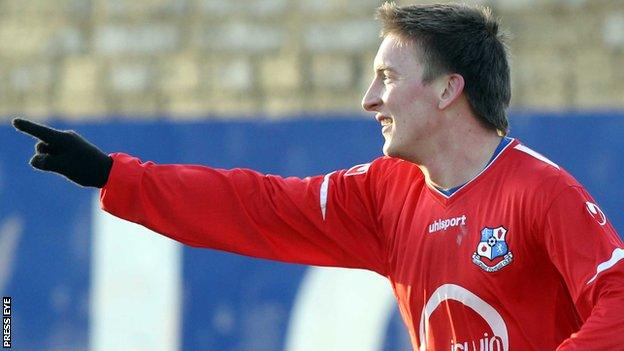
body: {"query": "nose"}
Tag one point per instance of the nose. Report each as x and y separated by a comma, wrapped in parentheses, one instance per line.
(372, 99)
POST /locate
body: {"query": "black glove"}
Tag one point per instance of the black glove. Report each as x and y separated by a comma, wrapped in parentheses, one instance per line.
(67, 153)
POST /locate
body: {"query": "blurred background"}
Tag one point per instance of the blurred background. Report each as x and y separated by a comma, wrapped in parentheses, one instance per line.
(94, 59)
(273, 85)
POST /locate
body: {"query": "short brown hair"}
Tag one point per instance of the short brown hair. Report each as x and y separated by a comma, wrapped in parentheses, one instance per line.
(462, 39)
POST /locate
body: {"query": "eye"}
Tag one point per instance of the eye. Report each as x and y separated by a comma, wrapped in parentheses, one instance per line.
(386, 78)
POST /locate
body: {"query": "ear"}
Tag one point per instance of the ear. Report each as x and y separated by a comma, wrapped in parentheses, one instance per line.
(452, 87)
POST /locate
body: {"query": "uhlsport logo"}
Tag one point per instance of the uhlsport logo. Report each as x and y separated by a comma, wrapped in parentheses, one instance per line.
(596, 213)
(357, 169)
(443, 224)
(492, 246)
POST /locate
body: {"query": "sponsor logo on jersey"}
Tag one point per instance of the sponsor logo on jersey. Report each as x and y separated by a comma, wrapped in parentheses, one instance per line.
(492, 252)
(486, 343)
(444, 224)
(496, 339)
(596, 212)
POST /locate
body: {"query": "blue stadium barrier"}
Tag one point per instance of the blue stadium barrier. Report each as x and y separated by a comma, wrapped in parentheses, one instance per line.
(46, 223)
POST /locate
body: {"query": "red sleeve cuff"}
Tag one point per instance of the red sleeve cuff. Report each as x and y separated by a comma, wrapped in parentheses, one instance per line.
(120, 192)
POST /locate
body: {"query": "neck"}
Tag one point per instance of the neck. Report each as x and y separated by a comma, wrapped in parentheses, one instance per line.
(460, 157)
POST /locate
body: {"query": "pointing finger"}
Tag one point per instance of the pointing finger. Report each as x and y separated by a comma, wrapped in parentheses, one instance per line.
(47, 134)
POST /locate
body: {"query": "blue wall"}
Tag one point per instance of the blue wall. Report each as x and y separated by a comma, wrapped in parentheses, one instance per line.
(48, 273)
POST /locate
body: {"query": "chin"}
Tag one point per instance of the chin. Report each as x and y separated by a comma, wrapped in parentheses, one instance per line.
(388, 150)
(393, 149)
(396, 152)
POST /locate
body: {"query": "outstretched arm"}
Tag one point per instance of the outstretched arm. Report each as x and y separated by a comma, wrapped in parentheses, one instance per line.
(324, 220)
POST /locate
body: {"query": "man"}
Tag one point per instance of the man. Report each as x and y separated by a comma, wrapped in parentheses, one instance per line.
(487, 244)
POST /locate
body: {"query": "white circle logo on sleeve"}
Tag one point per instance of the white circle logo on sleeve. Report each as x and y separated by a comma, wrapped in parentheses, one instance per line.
(498, 341)
(596, 212)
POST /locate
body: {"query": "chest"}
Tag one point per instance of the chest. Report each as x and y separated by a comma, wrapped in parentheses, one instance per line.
(478, 242)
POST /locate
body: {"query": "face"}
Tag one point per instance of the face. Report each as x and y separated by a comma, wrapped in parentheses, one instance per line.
(406, 108)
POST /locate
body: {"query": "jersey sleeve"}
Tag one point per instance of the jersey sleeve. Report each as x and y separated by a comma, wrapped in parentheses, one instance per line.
(328, 220)
(588, 253)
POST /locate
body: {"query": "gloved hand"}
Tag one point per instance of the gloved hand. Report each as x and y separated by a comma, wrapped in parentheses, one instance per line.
(68, 154)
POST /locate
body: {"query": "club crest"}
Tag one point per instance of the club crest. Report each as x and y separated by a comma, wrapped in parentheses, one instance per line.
(492, 252)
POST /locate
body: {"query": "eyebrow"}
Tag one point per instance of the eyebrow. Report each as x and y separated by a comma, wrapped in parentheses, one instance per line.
(382, 68)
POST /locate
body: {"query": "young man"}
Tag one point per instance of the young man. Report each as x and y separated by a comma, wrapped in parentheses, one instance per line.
(487, 244)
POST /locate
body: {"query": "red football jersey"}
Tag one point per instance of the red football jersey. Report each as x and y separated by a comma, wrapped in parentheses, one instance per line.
(519, 258)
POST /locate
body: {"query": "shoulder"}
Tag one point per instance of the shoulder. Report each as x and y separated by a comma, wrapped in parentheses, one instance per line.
(394, 168)
(528, 159)
(535, 171)
(383, 167)
(537, 180)
(383, 173)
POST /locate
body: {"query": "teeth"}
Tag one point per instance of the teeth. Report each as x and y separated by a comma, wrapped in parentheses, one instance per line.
(386, 122)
